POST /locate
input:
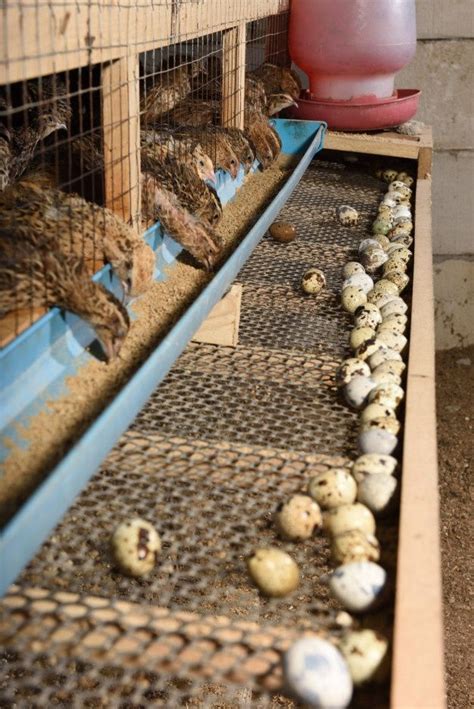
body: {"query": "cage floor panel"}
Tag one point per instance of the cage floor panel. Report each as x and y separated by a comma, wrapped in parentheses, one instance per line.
(228, 435)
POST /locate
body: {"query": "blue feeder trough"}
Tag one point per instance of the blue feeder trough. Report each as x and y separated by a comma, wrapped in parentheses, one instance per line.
(35, 366)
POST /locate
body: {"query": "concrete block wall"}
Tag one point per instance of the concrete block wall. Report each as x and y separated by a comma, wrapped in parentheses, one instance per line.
(444, 69)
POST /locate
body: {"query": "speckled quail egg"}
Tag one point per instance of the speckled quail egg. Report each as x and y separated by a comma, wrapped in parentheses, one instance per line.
(348, 216)
(349, 369)
(352, 267)
(383, 423)
(389, 175)
(389, 201)
(354, 546)
(333, 488)
(397, 185)
(383, 354)
(368, 244)
(397, 197)
(402, 211)
(382, 241)
(366, 654)
(405, 178)
(377, 440)
(352, 297)
(382, 226)
(274, 572)
(384, 377)
(402, 229)
(385, 286)
(395, 263)
(368, 348)
(358, 585)
(394, 340)
(397, 323)
(359, 335)
(391, 366)
(395, 307)
(380, 298)
(367, 315)
(316, 674)
(298, 517)
(357, 391)
(390, 395)
(377, 492)
(313, 281)
(395, 246)
(385, 211)
(375, 411)
(373, 464)
(359, 280)
(135, 546)
(398, 278)
(373, 258)
(405, 239)
(346, 517)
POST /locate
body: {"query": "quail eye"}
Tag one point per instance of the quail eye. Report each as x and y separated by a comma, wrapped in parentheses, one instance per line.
(201, 163)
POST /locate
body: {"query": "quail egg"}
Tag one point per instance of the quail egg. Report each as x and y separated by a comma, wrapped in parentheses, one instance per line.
(359, 335)
(405, 253)
(351, 368)
(366, 654)
(405, 178)
(368, 348)
(401, 188)
(366, 244)
(135, 546)
(384, 377)
(333, 488)
(316, 674)
(274, 572)
(283, 232)
(395, 263)
(389, 175)
(313, 281)
(352, 297)
(397, 197)
(367, 315)
(352, 267)
(382, 241)
(381, 226)
(385, 211)
(405, 239)
(377, 440)
(375, 411)
(397, 306)
(354, 546)
(359, 280)
(383, 423)
(357, 391)
(383, 355)
(390, 367)
(398, 278)
(385, 286)
(348, 216)
(373, 258)
(389, 201)
(358, 585)
(373, 464)
(379, 298)
(377, 492)
(298, 517)
(402, 212)
(346, 517)
(394, 340)
(400, 230)
(390, 395)
(396, 323)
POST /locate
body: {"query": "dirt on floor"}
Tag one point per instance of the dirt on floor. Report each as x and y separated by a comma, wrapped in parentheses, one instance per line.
(455, 403)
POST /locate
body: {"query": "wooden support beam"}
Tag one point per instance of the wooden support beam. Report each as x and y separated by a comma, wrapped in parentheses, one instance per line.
(233, 76)
(221, 327)
(121, 131)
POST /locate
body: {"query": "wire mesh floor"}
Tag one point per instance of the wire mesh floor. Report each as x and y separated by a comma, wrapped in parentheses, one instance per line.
(227, 436)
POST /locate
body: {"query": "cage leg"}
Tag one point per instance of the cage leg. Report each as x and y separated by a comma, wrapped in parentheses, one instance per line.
(233, 76)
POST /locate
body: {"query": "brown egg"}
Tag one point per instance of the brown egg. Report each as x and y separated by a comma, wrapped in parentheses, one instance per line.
(283, 232)
(274, 572)
(297, 518)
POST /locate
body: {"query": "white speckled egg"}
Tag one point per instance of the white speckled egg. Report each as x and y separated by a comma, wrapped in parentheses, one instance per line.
(367, 315)
(395, 340)
(395, 264)
(384, 423)
(401, 252)
(354, 546)
(398, 278)
(404, 239)
(401, 188)
(366, 244)
(382, 241)
(385, 211)
(377, 492)
(368, 348)
(358, 585)
(402, 210)
(379, 299)
(397, 306)
(333, 488)
(348, 216)
(396, 246)
(316, 674)
(373, 464)
(357, 391)
(135, 546)
(359, 335)
(274, 572)
(349, 369)
(397, 196)
(391, 366)
(400, 230)
(389, 201)
(346, 517)
(385, 286)
(384, 377)
(375, 411)
(352, 267)
(373, 258)
(393, 324)
(313, 281)
(397, 185)
(359, 280)
(298, 517)
(384, 354)
(352, 297)
(377, 441)
(382, 226)
(390, 395)
(389, 175)
(405, 178)
(366, 654)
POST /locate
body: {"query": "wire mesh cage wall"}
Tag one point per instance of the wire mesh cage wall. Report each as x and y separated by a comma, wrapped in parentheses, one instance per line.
(121, 107)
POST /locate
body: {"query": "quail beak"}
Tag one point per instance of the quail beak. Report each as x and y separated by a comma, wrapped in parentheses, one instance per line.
(211, 176)
(233, 171)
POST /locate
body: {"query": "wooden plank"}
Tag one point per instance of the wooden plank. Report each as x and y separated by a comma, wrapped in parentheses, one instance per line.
(75, 34)
(221, 327)
(121, 131)
(374, 144)
(233, 77)
(418, 672)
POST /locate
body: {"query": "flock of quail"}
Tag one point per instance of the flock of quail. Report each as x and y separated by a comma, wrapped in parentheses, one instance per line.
(51, 240)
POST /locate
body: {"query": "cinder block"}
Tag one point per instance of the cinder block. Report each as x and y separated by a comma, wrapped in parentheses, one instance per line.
(443, 70)
(454, 303)
(453, 203)
(442, 19)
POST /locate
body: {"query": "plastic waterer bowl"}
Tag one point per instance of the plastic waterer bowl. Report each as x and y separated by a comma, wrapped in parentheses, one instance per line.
(352, 49)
